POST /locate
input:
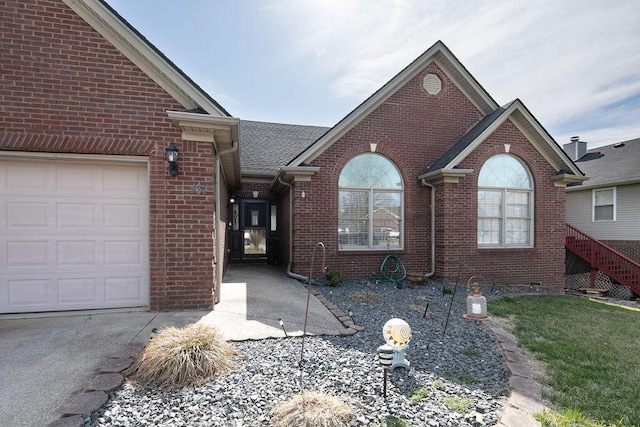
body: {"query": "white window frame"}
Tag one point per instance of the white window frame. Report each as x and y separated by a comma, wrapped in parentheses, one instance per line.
(503, 218)
(371, 228)
(593, 204)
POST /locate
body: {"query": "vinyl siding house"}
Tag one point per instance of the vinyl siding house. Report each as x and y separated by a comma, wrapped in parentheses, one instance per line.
(428, 168)
(607, 206)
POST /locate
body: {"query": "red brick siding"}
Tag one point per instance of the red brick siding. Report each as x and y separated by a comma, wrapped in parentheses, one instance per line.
(412, 129)
(65, 89)
(544, 262)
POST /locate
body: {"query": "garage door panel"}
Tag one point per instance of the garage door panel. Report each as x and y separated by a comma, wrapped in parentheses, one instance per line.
(77, 179)
(123, 182)
(28, 292)
(77, 253)
(77, 290)
(123, 289)
(21, 254)
(123, 252)
(73, 235)
(26, 178)
(122, 215)
(29, 215)
(76, 215)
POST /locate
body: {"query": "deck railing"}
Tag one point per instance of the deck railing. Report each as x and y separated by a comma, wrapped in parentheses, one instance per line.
(604, 258)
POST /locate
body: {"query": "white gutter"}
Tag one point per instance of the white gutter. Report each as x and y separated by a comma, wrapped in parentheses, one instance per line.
(433, 228)
(289, 272)
(219, 260)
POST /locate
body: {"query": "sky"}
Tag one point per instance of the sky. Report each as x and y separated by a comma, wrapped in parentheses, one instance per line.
(574, 63)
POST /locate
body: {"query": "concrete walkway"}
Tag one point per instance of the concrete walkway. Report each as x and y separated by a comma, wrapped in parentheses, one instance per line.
(254, 297)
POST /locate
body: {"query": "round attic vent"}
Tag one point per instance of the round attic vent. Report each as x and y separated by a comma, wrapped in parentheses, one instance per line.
(432, 84)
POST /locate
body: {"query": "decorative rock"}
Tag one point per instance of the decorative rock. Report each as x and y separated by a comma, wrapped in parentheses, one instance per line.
(85, 403)
(106, 382)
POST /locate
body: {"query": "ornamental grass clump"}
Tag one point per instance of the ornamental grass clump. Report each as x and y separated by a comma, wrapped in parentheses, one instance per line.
(179, 357)
(313, 409)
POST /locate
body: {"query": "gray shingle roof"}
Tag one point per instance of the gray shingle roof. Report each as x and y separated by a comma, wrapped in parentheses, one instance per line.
(266, 147)
(466, 140)
(612, 164)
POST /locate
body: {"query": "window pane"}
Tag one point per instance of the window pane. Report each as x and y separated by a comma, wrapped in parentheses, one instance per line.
(370, 170)
(601, 213)
(353, 223)
(517, 205)
(387, 217)
(504, 171)
(517, 232)
(488, 231)
(489, 204)
(604, 197)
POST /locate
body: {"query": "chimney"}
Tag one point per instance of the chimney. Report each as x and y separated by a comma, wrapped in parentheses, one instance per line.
(576, 148)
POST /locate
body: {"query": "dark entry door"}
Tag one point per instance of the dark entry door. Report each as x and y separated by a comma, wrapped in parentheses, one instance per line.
(254, 221)
(249, 230)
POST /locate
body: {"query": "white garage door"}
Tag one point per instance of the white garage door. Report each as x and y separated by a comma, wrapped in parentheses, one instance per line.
(73, 235)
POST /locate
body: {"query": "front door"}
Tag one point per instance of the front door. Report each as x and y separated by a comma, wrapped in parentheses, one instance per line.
(249, 230)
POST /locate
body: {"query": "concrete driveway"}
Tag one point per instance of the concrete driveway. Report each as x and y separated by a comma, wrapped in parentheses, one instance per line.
(47, 359)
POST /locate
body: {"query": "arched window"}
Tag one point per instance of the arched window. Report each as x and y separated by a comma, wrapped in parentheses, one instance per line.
(505, 203)
(370, 206)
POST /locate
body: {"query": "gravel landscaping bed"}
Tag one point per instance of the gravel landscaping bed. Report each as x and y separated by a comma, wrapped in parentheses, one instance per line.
(461, 375)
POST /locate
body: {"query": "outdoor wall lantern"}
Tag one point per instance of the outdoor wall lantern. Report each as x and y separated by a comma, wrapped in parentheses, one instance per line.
(172, 157)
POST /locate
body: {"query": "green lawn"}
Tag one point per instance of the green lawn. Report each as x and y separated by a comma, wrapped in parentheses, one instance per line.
(591, 351)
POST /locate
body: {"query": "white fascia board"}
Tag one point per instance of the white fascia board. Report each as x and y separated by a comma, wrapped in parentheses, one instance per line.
(384, 93)
(507, 114)
(475, 93)
(445, 176)
(184, 118)
(561, 155)
(141, 54)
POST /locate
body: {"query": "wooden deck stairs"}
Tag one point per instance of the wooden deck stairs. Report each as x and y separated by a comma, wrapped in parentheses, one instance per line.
(603, 258)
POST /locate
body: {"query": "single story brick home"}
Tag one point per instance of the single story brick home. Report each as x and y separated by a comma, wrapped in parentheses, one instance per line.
(124, 184)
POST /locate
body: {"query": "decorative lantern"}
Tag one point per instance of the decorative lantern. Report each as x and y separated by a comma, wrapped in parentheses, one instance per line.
(476, 304)
(397, 334)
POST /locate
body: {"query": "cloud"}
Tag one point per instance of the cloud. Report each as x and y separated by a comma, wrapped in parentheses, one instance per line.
(563, 59)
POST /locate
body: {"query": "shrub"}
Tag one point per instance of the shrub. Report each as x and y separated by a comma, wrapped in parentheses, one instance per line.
(311, 409)
(419, 395)
(448, 290)
(460, 405)
(392, 421)
(178, 357)
(334, 277)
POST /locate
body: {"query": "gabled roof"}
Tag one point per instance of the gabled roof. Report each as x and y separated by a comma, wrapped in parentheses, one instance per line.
(615, 164)
(113, 27)
(437, 53)
(448, 164)
(203, 120)
(266, 147)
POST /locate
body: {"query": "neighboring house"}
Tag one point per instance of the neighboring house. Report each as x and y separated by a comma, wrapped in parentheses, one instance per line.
(429, 168)
(607, 206)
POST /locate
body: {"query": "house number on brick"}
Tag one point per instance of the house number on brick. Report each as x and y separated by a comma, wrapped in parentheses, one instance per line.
(199, 188)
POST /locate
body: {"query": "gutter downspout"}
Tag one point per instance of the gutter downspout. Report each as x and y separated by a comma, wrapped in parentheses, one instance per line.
(219, 257)
(433, 228)
(289, 272)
